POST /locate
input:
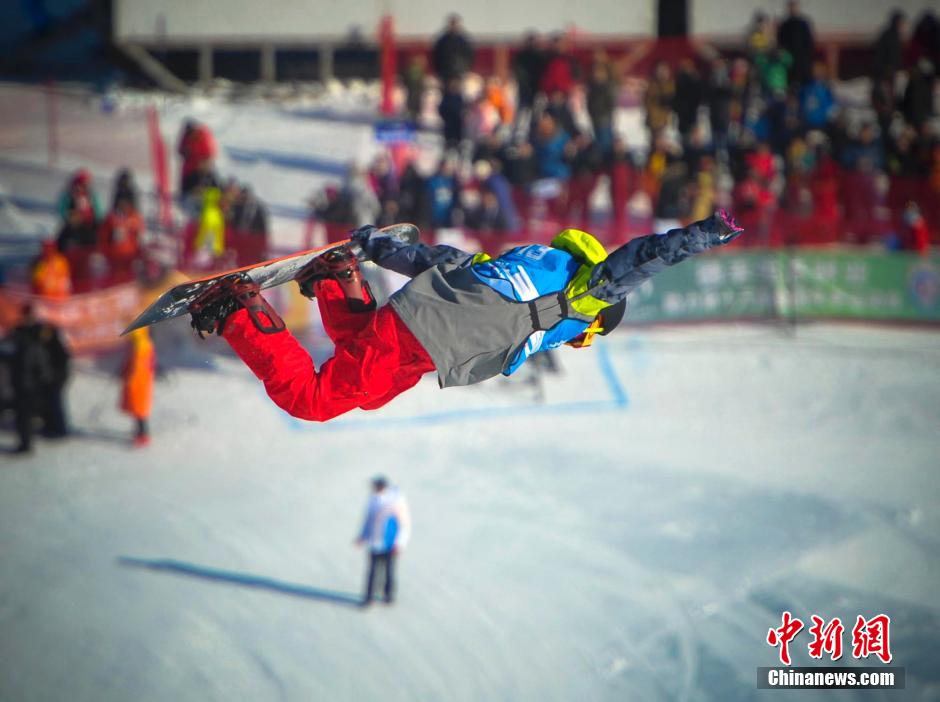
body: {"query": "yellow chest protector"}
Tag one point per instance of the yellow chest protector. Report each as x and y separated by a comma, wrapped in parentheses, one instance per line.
(586, 249)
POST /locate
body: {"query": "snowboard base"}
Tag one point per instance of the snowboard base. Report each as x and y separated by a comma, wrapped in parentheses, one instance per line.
(268, 274)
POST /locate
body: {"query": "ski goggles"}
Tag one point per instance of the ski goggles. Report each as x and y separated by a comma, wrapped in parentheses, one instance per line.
(586, 338)
(603, 324)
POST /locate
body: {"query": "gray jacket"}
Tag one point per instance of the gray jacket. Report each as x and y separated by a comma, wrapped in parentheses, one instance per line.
(469, 330)
(472, 332)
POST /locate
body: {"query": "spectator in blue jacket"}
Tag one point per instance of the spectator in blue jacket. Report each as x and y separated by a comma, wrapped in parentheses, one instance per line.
(444, 193)
(552, 149)
(867, 147)
(494, 182)
(452, 109)
(817, 102)
(385, 532)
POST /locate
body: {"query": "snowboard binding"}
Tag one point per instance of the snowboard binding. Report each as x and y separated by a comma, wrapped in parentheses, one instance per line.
(341, 265)
(217, 302)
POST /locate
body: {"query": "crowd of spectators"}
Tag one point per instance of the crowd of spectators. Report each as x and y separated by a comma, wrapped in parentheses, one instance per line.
(227, 223)
(95, 248)
(760, 129)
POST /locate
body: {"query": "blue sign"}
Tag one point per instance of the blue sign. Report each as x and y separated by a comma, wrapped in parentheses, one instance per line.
(396, 132)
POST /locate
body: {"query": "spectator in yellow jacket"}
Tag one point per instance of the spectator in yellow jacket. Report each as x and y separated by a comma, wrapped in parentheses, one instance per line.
(210, 236)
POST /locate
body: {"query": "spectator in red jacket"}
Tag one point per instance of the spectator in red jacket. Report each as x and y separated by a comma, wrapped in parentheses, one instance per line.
(622, 183)
(824, 185)
(755, 201)
(198, 149)
(559, 74)
(119, 238)
(915, 236)
(762, 162)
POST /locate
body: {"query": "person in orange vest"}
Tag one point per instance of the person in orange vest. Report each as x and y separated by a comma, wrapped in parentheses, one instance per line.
(137, 394)
(51, 274)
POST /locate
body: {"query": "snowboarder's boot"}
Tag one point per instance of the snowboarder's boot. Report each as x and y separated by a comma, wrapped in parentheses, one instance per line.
(213, 306)
(342, 265)
(142, 441)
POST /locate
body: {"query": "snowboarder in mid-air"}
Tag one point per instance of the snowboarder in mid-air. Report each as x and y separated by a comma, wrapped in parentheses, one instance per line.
(468, 317)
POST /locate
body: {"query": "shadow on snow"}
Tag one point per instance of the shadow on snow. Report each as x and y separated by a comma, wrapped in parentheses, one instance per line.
(243, 579)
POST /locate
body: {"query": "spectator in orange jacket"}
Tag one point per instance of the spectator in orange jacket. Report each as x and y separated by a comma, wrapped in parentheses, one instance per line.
(137, 394)
(51, 275)
(119, 237)
(497, 96)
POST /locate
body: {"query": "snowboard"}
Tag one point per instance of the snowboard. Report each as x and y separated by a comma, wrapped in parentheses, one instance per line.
(268, 274)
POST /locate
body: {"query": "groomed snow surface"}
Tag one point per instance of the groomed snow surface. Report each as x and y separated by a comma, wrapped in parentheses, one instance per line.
(628, 531)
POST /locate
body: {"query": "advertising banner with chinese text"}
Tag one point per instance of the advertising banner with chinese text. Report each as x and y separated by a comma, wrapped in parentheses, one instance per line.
(799, 284)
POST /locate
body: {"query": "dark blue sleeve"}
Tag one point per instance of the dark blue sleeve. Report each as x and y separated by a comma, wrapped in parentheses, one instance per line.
(637, 260)
(412, 259)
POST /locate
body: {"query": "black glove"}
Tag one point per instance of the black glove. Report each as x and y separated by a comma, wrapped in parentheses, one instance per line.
(362, 235)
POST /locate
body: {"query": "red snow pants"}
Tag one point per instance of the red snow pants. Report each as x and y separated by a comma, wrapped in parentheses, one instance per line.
(376, 358)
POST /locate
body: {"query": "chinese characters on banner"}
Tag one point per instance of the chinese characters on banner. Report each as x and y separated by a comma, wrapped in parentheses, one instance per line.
(803, 283)
(870, 637)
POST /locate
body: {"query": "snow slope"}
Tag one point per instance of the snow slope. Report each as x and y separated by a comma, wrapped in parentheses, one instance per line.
(632, 537)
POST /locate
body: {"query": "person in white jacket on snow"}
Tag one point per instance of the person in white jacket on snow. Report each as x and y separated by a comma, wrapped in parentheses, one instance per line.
(385, 531)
